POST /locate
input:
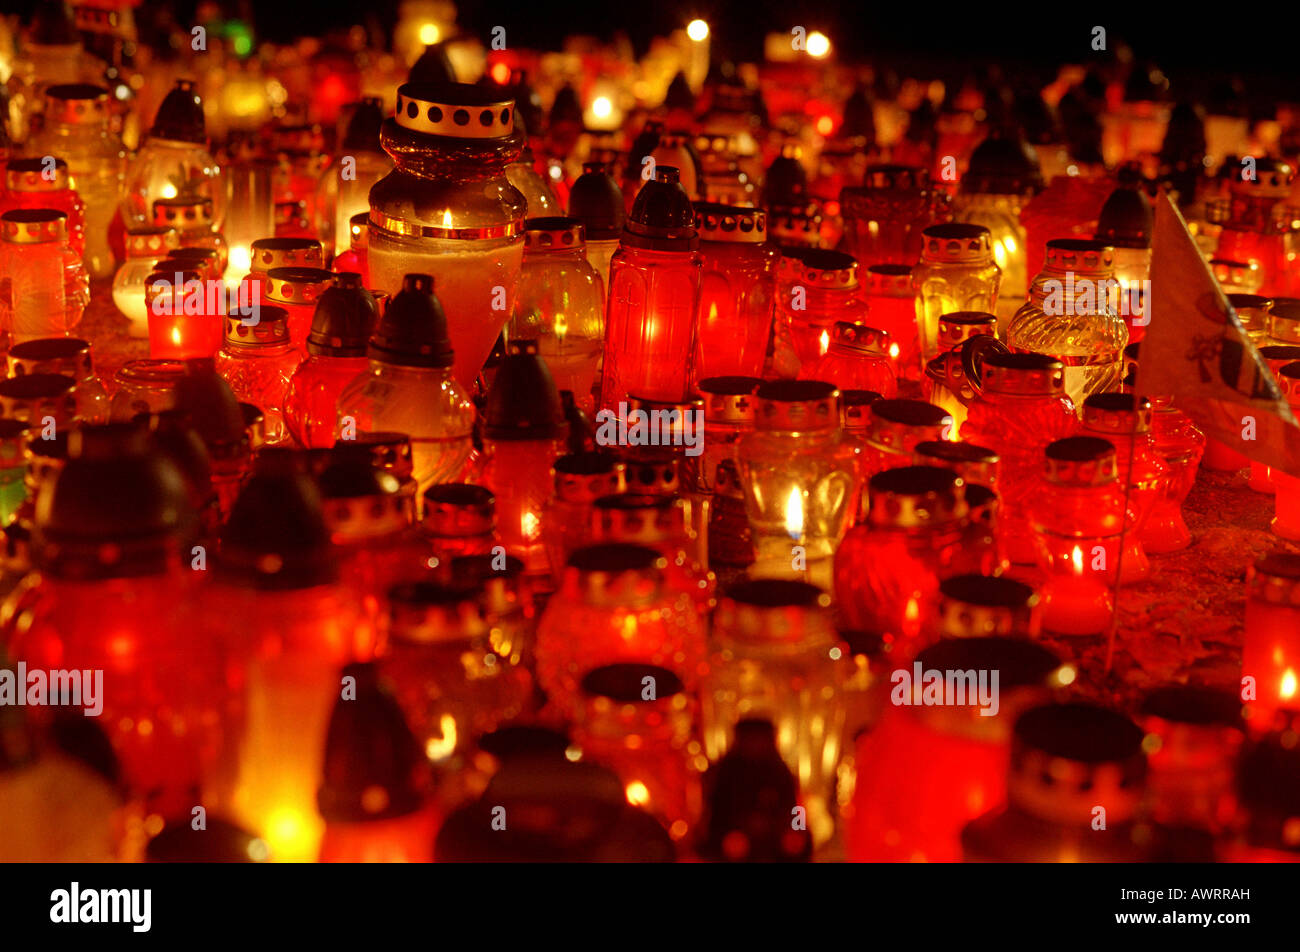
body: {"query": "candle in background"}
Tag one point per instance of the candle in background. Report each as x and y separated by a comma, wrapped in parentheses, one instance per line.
(597, 202)
(1124, 420)
(345, 316)
(251, 213)
(1270, 653)
(46, 288)
(1077, 512)
(69, 356)
(978, 606)
(799, 471)
(1021, 408)
(409, 387)
(884, 217)
(579, 480)
(654, 283)
(185, 315)
(1269, 794)
(459, 519)
(145, 247)
(1125, 225)
(734, 318)
(355, 259)
(270, 254)
(174, 162)
(926, 771)
(560, 305)
(614, 606)
(660, 522)
(77, 129)
(1286, 518)
(30, 183)
(451, 143)
(888, 568)
(524, 430)
(258, 361)
(816, 289)
(195, 227)
(894, 430)
(1072, 315)
(957, 272)
(1003, 174)
(891, 304)
(1254, 218)
(344, 188)
(858, 358)
(775, 655)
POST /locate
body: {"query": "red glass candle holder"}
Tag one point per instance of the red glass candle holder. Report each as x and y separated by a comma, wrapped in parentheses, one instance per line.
(614, 607)
(459, 519)
(646, 737)
(737, 290)
(654, 282)
(297, 290)
(816, 289)
(662, 523)
(859, 358)
(926, 771)
(980, 606)
(884, 217)
(258, 360)
(1271, 650)
(1020, 409)
(888, 567)
(1078, 515)
(892, 305)
(186, 315)
(31, 183)
(580, 479)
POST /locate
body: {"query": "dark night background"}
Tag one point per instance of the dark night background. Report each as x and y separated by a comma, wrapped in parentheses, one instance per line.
(1189, 41)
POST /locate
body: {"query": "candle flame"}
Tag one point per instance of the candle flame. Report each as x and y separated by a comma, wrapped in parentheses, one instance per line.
(176, 336)
(446, 219)
(825, 341)
(530, 525)
(637, 794)
(1289, 685)
(430, 34)
(1076, 557)
(440, 748)
(912, 617)
(894, 351)
(794, 514)
(601, 107)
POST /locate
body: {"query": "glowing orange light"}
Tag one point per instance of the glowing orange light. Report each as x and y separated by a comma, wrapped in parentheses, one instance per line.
(1076, 558)
(637, 794)
(446, 219)
(530, 525)
(794, 514)
(825, 341)
(500, 73)
(824, 125)
(1289, 685)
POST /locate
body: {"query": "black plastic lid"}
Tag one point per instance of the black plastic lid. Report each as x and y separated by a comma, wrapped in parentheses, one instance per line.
(346, 315)
(523, 403)
(859, 116)
(566, 108)
(208, 401)
(662, 217)
(372, 759)
(1002, 165)
(413, 330)
(433, 66)
(362, 133)
(116, 508)
(1126, 219)
(597, 202)
(276, 537)
(679, 93)
(220, 841)
(180, 117)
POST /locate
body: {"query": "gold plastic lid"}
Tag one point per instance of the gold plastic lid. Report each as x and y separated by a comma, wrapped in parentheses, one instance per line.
(1023, 374)
(956, 242)
(33, 226)
(298, 286)
(912, 497)
(157, 242)
(554, 234)
(732, 224)
(30, 175)
(271, 329)
(729, 399)
(454, 110)
(183, 214)
(271, 253)
(986, 605)
(1081, 461)
(890, 280)
(1080, 255)
(1275, 579)
(51, 355)
(860, 339)
(957, 327)
(1120, 413)
(76, 104)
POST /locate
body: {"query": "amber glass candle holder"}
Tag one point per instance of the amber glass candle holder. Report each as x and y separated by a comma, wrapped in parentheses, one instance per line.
(957, 272)
(776, 656)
